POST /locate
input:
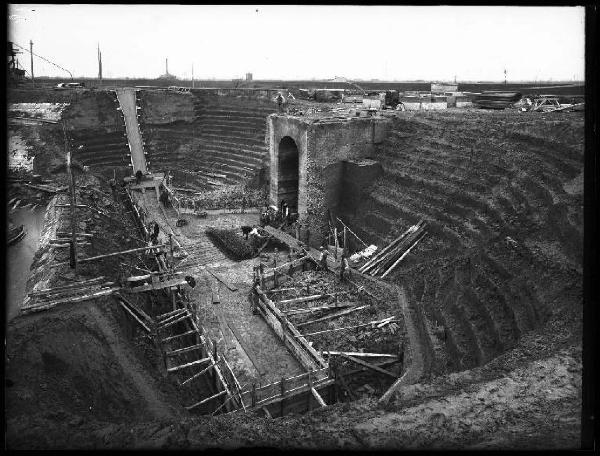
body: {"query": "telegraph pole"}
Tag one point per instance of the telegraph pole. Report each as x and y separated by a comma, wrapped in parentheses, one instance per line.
(192, 75)
(73, 249)
(31, 55)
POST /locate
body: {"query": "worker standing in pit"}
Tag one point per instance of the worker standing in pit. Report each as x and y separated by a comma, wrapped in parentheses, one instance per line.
(279, 101)
(323, 259)
(138, 176)
(344, 267)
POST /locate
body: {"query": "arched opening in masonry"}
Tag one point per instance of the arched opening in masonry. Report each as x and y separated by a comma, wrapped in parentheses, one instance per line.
(288, 173)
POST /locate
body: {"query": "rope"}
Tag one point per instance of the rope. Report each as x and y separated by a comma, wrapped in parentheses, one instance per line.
(351, 232)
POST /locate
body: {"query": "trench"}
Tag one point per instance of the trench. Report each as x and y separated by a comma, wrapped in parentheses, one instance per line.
(19, 257)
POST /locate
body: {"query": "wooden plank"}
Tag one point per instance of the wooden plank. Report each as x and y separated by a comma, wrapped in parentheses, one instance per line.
(185, 366)
(168, 314)
(369, 366)
(81, 284)
(347, 327)
(197, 375)
(108, 255)
(278, 290)
(141, 323)
(180, 351)
(310, 298)
(176, 314)
(48, 305)
(172, 322)
(137, 309)
(391, 268)
(187, 333)
(293, 392)
(223, 281)
(314, 309)
(389, 362)
(359, 354)
(307, 355)
(333, 315)
(248, 352)
(236, 384)
(206, 400)
(156, 286)
(318, 397)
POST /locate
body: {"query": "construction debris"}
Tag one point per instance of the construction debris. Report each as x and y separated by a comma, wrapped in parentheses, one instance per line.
(387, 259)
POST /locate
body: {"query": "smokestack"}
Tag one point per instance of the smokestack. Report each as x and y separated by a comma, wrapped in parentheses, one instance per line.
(99, 64)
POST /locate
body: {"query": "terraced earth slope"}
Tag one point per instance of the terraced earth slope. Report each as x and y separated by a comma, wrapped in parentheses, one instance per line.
(503, 195)
(197, 134)
(97, 135)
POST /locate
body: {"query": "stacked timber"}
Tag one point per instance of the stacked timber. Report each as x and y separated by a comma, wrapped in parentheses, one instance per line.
(390, 257)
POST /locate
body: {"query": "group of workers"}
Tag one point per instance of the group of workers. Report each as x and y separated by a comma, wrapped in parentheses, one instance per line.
(344, 264)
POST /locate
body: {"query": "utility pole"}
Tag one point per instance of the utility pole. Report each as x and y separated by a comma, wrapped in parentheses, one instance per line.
(73, 249)
(192, 75)
(505, 76)
(31, 55)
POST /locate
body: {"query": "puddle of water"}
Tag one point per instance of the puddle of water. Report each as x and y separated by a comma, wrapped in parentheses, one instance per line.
(18, 153)
(19, 257)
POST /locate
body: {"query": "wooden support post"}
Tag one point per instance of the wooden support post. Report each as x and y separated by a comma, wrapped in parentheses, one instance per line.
(215, 355)
(335, 243)
(73, 252)
(318, 397)
(345, 245)
(282, 385)
(206, 369)
(253, 397)
(141, 323)
(310, 385)
(206, 400)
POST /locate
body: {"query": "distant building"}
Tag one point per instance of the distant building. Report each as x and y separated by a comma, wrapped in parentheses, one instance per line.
(437, 87)
(248, 76)
(15, 74)
(167, 76)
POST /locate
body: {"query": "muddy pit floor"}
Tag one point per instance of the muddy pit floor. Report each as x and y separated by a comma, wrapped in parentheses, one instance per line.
(253, 350)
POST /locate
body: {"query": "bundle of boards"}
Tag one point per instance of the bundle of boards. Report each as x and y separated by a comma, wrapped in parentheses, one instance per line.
(386, 261)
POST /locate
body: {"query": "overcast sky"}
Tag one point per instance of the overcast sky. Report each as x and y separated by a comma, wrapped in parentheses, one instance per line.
(304, 42)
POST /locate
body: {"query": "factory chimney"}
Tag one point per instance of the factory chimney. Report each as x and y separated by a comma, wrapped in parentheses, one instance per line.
(99, 64)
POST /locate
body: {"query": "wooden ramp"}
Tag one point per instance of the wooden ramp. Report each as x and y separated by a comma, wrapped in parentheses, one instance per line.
(126, 99)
